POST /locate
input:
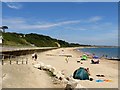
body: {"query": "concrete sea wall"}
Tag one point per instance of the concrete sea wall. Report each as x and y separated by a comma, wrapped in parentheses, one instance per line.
(25, 51)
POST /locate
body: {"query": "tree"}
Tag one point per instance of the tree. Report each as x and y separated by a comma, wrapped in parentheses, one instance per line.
(3, 28)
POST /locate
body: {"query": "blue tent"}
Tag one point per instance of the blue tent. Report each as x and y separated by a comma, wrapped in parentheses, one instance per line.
(95, 57)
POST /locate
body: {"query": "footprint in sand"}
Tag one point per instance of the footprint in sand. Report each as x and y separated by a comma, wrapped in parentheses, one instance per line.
(4, 76)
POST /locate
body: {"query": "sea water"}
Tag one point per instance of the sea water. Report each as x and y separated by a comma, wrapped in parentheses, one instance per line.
(106, 52)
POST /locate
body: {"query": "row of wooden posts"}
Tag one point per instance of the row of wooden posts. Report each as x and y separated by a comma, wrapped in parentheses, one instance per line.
(17, 61)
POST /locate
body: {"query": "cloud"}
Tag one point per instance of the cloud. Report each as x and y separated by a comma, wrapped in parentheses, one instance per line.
(27, 24)
(95, 19)
(76, 28)
(23, 24)
(57, 24)
(93, 27)
(14, 5)
(81, 32)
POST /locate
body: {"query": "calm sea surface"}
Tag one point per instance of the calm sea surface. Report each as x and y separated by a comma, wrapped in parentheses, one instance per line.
(110, 52)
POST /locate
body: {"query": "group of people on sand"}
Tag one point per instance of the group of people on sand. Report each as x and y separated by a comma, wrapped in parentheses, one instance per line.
(83, 73)
(94, 60)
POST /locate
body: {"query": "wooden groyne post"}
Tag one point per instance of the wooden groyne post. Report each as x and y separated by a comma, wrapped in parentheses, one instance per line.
(22, 60)
(18, 52)
(26, 60)
(10, 62)
(2, 59)
(16, 61)
(2, 62)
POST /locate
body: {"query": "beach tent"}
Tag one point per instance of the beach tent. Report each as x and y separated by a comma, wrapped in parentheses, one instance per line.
(84, 57)
(95, 57)
(81, 74)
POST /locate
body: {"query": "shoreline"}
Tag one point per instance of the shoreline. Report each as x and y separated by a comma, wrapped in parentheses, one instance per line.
(113, 64)
(108, 58)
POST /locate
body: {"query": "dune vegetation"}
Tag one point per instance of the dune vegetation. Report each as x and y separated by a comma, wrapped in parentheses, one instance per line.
(36, 40)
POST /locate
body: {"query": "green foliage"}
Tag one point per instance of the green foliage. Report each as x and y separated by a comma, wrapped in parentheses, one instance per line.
(13, 39)
(40, 40)
(63, 43)
(18, 39)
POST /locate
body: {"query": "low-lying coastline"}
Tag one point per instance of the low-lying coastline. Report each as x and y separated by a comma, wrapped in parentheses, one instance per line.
(109, 53)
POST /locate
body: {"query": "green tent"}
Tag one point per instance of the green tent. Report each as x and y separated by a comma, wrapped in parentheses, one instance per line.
(81, 74)
(84, 57)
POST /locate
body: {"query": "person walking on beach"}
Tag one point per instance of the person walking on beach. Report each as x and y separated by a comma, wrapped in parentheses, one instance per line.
(34, 56)
(66, 59)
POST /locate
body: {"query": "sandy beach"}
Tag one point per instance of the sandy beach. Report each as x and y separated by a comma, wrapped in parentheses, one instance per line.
(26, 76)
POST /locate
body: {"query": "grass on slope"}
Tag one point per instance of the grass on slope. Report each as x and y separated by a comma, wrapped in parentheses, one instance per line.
(17, 39)
(13, 39)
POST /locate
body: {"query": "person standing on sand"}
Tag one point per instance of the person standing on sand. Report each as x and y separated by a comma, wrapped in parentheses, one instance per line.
(35, 56)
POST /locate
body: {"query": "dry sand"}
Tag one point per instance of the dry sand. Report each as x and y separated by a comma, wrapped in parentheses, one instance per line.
(25, 76)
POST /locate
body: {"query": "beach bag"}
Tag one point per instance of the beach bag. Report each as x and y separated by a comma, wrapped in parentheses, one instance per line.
(81, 74)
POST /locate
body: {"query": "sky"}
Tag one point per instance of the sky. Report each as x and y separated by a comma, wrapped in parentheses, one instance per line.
(93, 23)
(60, 0)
